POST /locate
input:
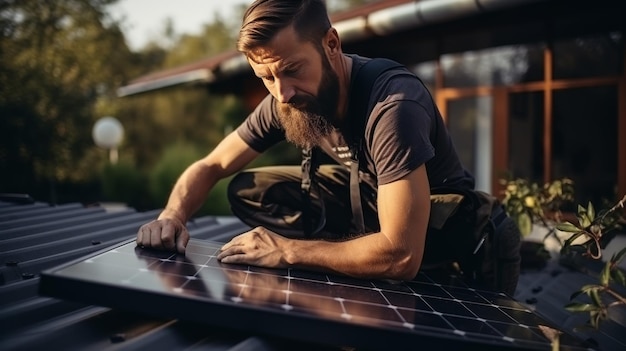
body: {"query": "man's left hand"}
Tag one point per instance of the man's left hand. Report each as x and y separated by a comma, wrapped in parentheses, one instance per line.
(258, 247)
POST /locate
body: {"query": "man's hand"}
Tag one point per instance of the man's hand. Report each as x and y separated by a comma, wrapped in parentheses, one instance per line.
(164, 234)
(258, 247)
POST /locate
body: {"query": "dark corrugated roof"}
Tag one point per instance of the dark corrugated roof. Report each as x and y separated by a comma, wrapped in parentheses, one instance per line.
(36, 236)
(548, 290)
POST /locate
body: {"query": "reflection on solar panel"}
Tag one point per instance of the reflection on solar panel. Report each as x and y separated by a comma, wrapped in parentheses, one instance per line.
(300, 305)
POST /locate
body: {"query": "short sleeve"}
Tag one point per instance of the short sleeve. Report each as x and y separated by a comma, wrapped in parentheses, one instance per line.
(400, 140)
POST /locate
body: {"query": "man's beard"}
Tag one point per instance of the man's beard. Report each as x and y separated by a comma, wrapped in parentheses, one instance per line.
(307, 119)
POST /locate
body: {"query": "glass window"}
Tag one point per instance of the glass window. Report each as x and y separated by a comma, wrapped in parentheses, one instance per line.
(584, 141)
(505, 65)
(595, 56)
(526, 136)
(470, 126)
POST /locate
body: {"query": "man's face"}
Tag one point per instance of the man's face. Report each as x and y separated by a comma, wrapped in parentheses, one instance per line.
(304, 84)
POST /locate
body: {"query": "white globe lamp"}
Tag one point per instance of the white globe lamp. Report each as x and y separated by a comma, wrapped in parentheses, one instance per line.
(107, 133)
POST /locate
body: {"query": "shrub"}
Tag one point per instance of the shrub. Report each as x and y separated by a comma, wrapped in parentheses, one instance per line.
(175, 159)
(123, 182)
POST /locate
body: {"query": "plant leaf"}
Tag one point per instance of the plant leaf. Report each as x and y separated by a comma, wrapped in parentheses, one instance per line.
(576, 294)
(585, 221)
(605, 275)
(567, 227)
(573, 237)
(595, 319)
(595, 297)
(591, 213)
(585, 289)
(581, 307)
(618, 276)
(525, 224)
(583, 218)
(618, 257)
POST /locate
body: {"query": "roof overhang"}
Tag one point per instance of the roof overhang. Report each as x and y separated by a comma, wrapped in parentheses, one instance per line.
(200, 72)
(198, 76)
(357, 28)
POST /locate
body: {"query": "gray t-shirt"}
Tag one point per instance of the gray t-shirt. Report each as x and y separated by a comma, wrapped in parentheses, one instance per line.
(404, 130)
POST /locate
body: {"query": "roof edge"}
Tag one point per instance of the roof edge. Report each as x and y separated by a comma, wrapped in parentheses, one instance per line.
(203, 75)
(380, 22)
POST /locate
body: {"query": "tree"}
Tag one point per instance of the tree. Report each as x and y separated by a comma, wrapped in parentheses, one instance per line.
(188, 114)
(57, 59)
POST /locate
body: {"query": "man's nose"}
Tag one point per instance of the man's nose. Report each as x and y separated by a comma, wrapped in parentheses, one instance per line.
(284, 91)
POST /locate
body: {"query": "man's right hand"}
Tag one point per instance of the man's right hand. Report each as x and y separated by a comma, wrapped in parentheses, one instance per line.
(164, 234)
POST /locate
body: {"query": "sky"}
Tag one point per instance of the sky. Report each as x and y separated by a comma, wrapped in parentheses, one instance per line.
(144, 19)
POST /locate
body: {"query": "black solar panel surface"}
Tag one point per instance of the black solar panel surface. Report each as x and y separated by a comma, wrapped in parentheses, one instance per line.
(298, 304)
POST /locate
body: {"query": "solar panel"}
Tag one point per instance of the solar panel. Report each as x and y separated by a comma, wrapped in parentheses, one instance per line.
(298, 304)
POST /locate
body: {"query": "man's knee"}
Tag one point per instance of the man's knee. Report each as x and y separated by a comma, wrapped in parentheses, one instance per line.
(242, 180)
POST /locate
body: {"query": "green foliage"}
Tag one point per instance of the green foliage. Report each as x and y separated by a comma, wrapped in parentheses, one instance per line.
(527, 203)
(155, 120)
(61, 63)
(601, 297)
(175, 160)
(123, 182)
(592, 228)
(217, 36)
(57, 59)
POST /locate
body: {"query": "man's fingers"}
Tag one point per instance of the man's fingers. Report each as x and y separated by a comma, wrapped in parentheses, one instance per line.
(143, 237)
(182, 240)
(168, 235)
(139, 236)
(155, 238)
(234, 255)
(236, 241)
(163, 234)
(226, 255)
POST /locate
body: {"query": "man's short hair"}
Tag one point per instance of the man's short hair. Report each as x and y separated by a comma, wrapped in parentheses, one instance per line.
(265, 18)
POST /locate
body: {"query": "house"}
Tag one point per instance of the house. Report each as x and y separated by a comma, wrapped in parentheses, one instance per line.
(531, 88)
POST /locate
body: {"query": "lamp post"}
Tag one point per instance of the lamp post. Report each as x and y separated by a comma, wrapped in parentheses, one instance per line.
(107, 133)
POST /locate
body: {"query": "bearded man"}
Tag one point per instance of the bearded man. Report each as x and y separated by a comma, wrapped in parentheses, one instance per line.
(405, 151)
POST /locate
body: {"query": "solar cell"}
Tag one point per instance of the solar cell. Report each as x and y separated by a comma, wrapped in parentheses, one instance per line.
(298, 304)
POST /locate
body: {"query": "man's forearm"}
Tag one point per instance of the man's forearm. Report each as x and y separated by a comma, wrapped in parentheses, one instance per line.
(370, 256)
(189, 192)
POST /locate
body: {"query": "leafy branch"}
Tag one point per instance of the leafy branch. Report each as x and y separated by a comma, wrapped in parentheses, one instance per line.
(594, 229)
(528, 203)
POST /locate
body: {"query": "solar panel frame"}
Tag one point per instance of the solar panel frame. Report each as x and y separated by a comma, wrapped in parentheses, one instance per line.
(441, 327)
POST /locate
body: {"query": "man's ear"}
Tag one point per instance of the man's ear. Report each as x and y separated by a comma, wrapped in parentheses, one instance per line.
(332, 44)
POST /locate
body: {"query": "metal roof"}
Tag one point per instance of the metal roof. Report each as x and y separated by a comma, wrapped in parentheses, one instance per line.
(35, 236)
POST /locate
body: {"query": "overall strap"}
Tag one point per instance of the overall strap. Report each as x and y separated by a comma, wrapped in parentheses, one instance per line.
(305, 189)
(309, 167)
(358, 112)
